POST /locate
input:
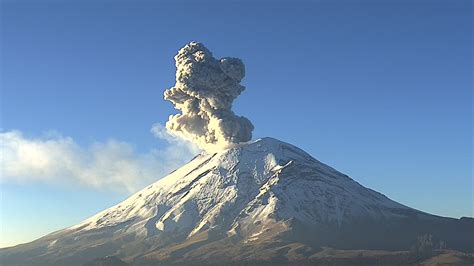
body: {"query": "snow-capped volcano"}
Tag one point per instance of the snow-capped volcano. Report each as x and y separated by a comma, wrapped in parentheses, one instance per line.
(246, 185)
(256, 201)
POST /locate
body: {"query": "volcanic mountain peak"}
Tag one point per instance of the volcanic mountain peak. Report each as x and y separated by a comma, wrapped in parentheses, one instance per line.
(245, 203)
(248, 183)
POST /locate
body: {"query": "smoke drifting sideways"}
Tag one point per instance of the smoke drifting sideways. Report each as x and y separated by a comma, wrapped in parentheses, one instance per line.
(204, 92)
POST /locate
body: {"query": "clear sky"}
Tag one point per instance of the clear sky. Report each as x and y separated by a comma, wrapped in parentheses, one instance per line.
(380, 90)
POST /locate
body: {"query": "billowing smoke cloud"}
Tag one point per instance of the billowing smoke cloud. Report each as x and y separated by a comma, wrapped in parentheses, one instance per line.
(204, 91)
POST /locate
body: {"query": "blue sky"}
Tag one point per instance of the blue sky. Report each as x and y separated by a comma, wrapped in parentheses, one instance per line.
(380, 91)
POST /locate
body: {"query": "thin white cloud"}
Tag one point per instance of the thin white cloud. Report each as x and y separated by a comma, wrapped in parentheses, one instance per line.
(113, 164)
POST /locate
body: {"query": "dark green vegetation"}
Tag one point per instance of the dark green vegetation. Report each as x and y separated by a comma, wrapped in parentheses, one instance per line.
(330, 257)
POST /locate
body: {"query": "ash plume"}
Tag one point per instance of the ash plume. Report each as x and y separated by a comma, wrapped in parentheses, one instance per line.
(204, 91)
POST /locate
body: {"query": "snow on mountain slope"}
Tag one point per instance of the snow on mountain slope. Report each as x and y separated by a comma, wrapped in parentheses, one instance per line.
(257, 200)
(252, 179)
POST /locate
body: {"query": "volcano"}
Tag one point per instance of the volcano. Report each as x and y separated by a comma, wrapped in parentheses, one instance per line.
(260, 202)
